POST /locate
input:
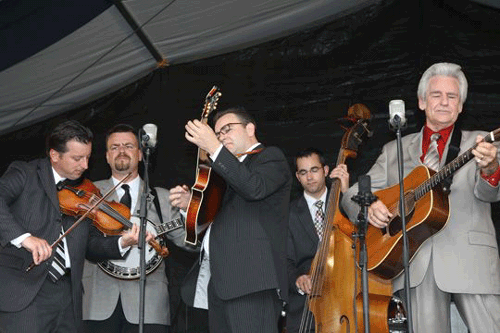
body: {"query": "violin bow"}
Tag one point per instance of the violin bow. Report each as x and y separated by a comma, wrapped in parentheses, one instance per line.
(77, 222)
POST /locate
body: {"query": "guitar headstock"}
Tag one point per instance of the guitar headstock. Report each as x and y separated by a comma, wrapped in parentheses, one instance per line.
(211, 101)
(493, 136)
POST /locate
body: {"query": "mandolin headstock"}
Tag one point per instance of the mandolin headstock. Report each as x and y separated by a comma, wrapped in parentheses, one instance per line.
(211, 102)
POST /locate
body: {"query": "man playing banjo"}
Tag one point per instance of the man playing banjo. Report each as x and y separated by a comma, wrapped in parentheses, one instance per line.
(111, 298)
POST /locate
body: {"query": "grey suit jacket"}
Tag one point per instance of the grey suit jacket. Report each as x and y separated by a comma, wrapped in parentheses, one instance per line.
(464, 253)
(29, 203)
(101, 291)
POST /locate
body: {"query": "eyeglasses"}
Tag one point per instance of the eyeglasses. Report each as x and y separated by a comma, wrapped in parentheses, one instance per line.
(312, 170)
(226, 129)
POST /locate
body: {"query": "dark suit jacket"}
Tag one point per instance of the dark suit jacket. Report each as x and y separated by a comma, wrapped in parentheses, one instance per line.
(302, 246)
(248, 235)
(28, 203)
(302, 241)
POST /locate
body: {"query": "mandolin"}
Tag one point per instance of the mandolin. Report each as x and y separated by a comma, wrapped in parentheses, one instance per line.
(208, 189)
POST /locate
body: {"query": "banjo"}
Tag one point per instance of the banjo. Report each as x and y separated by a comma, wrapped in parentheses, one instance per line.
(128, 268)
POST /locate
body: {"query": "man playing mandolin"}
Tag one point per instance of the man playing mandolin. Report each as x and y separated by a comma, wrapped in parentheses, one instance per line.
(244, 282)
(461, 261)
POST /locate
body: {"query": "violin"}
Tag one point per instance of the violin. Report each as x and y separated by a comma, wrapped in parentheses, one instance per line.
(111, 218)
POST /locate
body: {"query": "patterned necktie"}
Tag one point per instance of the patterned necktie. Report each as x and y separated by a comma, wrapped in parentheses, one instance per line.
(319, 217)
(58, 267)
(126, 198)
(431, 159)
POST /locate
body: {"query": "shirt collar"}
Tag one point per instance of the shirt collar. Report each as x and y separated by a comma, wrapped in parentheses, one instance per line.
(242, 157)
(311, 200)
(57, 178)
(134, 184)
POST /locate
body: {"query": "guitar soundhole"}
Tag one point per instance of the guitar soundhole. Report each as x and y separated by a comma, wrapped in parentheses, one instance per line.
(396, 224)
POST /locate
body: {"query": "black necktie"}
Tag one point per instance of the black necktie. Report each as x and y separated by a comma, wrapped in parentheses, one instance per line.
(126, 198)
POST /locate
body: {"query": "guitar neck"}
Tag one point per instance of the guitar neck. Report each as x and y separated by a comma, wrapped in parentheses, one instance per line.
(450, 168)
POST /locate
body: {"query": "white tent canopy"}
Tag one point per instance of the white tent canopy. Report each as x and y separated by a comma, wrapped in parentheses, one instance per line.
(105, 54)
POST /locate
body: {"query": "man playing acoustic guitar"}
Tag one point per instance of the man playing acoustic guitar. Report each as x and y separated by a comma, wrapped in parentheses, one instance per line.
(461, 261)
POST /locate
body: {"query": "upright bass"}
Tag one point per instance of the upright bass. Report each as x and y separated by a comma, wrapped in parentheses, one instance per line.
(336, 300)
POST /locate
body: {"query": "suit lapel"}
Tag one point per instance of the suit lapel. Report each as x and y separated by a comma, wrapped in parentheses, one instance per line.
(306, 220)
(108, 186)
(47, 179)
(149, 201)
(415, 148)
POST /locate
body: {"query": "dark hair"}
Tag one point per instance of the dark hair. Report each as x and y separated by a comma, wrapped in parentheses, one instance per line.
(121, 128)
(239, 112)
(65, 132)
(309, 152)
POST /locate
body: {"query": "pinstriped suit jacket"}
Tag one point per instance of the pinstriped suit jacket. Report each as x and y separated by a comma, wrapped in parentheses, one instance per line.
(248, 235)
(28, 203)
(464, 253)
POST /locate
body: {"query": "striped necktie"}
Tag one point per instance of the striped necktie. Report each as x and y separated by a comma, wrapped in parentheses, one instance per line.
(58, 266)
(319, 217)
(431, 159)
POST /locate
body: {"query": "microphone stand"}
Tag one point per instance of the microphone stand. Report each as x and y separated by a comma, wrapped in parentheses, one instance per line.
(364, 199)
(142, 239)
(402, 212)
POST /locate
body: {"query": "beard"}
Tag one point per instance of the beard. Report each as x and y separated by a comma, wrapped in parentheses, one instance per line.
(122, 164)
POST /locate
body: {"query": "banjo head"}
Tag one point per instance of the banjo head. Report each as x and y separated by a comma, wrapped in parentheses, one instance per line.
(128, 268)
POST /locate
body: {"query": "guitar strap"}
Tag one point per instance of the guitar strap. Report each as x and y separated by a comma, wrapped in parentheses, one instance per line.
(157, 204)
(453, 150)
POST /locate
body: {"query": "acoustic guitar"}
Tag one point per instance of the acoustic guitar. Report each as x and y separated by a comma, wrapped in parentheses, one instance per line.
(427, 212)
(208, 189)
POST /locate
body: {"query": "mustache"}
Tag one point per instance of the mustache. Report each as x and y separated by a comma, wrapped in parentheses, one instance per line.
(122, 155)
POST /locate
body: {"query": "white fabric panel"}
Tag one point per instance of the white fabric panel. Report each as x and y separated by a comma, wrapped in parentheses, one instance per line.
(190, 30)
(186, 30)
(27, 84)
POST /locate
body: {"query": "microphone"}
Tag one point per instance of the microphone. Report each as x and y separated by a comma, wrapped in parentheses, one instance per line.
(364, 199)
(148, 135)
(364, 185)
(397, 113)
(365, 196)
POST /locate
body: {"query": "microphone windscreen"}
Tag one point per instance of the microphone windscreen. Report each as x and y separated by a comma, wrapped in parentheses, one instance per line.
(151, 131)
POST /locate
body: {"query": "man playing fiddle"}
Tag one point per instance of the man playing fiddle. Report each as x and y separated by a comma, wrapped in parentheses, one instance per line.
(48, 298)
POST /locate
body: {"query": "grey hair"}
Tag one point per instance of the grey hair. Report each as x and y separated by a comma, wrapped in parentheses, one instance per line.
(443, 69)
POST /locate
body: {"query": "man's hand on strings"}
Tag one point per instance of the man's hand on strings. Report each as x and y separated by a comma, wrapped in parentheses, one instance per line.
(180, 196)
(202, 135)
(486, 156)
(131, 236)
(304, 284)
(378, 214)
(39, 248)
(340, 172)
